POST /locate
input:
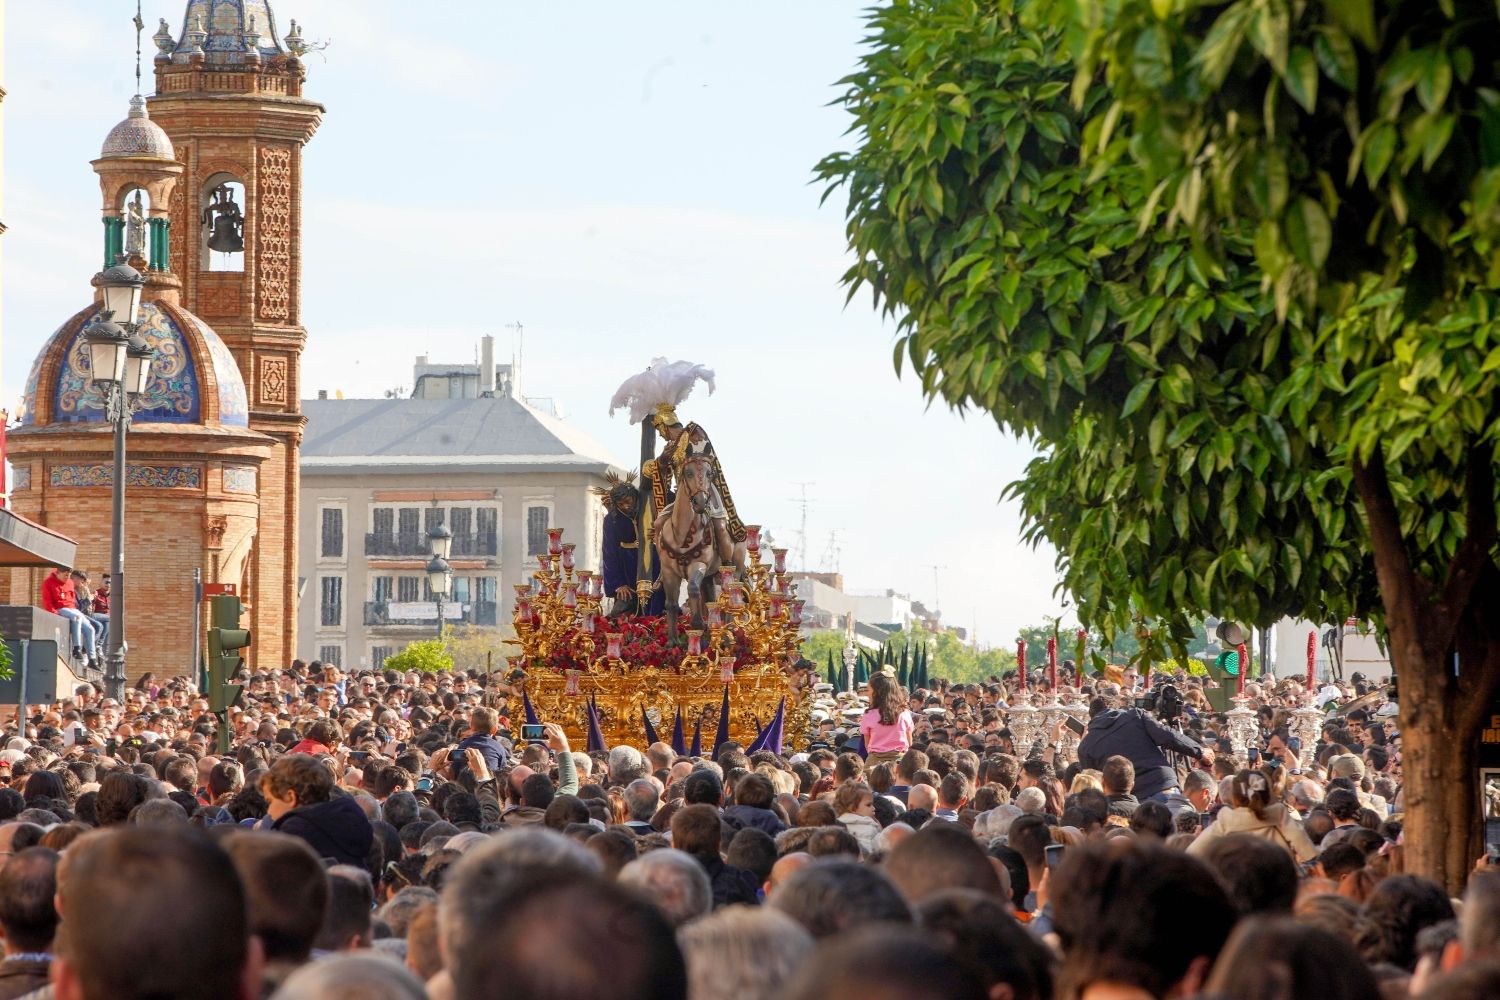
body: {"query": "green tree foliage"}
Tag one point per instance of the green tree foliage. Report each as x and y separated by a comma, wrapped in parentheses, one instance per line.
(1233, 267)
(427, 655)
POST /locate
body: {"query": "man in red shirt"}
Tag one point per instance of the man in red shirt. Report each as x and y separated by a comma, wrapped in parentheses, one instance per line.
(59, 597)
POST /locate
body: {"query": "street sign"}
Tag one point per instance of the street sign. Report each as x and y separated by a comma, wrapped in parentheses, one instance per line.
(212, 589)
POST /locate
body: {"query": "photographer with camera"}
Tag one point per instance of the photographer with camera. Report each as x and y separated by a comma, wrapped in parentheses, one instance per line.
(1134, 734)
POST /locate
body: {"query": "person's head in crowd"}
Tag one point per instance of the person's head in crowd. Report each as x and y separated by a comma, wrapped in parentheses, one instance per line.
(119, 793)
(981, 934)
(397, 911)
(1479, 925)
(703, 787)
(753, 850)
(884, 963)
(1395, 913)
(1330, 912)
(1259, 876)
(1152, 818)
(554, 933)
(1138, 915)
(347, 923)
(424, 954)
(1279, 953)
(28, 883)
(937, 857)
(672, 880)
(743, 953)
(286, 891)
(367, 975)
(180, 887)
(642, 799)
(833, 895)
(294, 780)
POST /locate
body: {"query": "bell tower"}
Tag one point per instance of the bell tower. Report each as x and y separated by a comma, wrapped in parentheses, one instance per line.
(229, 94)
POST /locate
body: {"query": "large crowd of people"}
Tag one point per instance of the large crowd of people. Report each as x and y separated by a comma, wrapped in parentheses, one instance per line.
(385, 835)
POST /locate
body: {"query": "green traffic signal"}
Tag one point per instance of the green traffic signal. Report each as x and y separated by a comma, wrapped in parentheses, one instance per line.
(1229, 662)
(225, 641)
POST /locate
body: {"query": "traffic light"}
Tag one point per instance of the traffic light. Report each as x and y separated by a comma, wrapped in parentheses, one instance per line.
(1228, 663)
(226, 640)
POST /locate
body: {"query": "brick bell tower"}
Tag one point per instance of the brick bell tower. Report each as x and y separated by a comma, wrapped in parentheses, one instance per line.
(229, 94)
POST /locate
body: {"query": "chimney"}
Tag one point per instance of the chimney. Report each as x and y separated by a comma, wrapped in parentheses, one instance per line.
(487, 366)
(322, 393)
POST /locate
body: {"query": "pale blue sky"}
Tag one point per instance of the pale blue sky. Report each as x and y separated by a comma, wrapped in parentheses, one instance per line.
(624, 180)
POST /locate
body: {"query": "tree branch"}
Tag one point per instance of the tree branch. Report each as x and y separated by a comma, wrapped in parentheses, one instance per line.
(1479, 535)
(1402, 590)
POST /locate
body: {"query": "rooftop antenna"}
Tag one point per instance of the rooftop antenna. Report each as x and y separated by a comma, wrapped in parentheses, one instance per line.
(140, 26)
(937, 604)
(831, 553)
(802, 502)
(518, 355)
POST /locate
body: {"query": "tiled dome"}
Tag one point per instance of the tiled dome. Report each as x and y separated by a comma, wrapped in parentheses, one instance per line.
(137, 136)
(177, 393)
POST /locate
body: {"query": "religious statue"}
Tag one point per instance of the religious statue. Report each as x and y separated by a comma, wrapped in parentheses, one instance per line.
(685, 442)
(620, 559)
(135, 227)
(696, 529)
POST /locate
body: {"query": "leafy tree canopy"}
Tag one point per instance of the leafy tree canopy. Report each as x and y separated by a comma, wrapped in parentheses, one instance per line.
(1209, 256)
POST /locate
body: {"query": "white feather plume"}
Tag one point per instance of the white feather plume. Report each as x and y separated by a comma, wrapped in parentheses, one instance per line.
(668, 382)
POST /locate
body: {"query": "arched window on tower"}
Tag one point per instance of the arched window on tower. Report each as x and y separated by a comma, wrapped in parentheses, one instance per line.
(222, 221)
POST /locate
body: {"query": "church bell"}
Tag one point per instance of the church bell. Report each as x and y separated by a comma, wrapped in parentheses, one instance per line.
(225, 236)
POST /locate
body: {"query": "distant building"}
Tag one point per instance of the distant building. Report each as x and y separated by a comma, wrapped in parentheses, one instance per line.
(877, 614)
(377, 474)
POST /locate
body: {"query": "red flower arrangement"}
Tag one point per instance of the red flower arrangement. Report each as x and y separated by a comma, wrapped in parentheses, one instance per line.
(645, 644)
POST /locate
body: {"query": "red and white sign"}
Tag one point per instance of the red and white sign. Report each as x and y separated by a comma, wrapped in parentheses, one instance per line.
(219, 589)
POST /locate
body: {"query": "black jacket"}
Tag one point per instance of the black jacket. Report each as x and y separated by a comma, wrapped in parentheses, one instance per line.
(1131, 733)
(336, 829)
(730, 884)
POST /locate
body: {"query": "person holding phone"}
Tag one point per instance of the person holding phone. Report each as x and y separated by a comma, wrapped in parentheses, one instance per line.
(484, 723)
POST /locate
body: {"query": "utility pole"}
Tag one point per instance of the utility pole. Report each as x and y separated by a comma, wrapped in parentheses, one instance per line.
(802, 502)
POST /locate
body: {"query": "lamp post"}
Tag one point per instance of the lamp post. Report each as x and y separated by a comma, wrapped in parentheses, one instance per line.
(439, 573)
(120, 365)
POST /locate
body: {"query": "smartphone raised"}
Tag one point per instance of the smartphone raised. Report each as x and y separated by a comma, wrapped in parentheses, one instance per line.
(533, 732)
(1074, 725)
(1054, 854)
(1252, 755)
(1294, 744)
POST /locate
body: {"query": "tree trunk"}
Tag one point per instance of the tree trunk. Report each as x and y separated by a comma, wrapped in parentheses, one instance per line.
(1443, 699)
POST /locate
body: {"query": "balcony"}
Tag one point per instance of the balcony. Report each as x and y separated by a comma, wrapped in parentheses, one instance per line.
(424, 613)
(414, 544)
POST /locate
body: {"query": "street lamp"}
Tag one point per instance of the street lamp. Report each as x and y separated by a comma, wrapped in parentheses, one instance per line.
(120, 365)
(439, 573)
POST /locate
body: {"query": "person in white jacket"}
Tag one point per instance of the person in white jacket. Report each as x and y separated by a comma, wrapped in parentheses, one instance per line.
(1253, 810)
(854, 803)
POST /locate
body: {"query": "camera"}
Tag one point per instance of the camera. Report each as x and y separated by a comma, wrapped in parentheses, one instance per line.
(1165, 702)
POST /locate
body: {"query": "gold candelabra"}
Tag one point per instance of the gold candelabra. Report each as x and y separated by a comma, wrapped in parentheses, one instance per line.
(571, 653)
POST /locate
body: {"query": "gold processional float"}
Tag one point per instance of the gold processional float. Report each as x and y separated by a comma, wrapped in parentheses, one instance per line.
(571, 653)
(743, 634)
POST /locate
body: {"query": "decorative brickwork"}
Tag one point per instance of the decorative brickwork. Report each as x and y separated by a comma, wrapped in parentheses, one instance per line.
(177, 235)
(273, 381)
(214, 526)
(20, 478)
(274, 233)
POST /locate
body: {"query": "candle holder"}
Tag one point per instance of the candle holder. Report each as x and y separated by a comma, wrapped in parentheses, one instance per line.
(1242, 725)
(726, 669)
(612, 641)
(715, 616)
(796, 614)
(567, 556)
(570, 596)
(554, 541)
(752, 540)
(1306, 723)
(778, 560)
(587, 624)
(1024, 726)
(572, 688)
(694, 642)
